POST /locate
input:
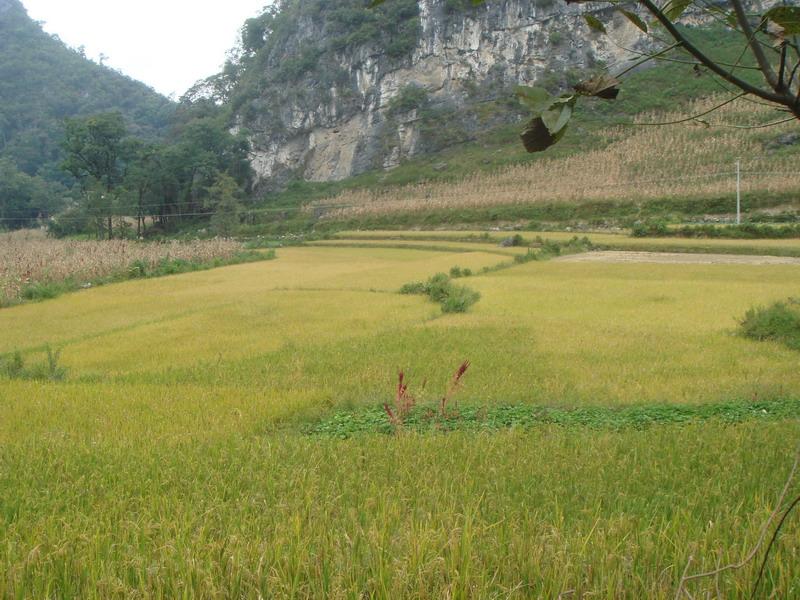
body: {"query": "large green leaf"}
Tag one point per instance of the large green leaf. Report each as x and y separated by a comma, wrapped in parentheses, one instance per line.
(537, 99)
(548, 125)
(536, 136)
(557, 117)
(603, 86)
(788, 17)
(673, 9)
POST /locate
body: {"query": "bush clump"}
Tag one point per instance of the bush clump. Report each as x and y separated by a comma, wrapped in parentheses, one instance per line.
(441, 289)
(650, 228)
(457, 272)
(779, 322)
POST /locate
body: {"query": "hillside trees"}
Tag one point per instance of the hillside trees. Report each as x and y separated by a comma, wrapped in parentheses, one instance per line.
(771, 38)
(126, 179)
(24, 199)
(43, 82)
(95, 155)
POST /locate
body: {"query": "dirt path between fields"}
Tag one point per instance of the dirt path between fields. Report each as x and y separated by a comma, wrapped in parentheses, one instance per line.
(677, 258)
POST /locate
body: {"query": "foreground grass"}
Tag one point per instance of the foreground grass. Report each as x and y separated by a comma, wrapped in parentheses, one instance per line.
(171, 462)
(91, 514)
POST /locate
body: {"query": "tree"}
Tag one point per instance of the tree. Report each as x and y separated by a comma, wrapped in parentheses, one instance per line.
(23, 199)
(772, 39)
(223, 198)
(141, 180)
(95, 150)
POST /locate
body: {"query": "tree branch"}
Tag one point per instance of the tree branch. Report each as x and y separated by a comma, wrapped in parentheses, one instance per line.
(758, 52)
(782, 99)
(693, 117)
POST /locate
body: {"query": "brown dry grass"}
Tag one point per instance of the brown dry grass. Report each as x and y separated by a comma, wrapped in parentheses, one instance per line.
(28, 257)
(640, 163)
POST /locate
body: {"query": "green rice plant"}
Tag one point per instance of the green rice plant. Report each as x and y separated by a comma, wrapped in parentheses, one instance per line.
(13, 366)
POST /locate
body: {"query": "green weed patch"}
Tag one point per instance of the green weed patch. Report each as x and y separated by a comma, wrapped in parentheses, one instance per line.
(779, 323)
(495, 418)
(441, 289)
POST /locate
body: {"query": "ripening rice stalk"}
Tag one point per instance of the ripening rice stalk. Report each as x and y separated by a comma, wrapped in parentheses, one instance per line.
(30, 257)
(637, 164)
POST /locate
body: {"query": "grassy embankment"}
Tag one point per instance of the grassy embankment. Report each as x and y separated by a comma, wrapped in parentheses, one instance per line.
(488, 241)
(159, 471)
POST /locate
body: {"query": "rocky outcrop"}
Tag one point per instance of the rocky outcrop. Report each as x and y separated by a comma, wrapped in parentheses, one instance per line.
(461, 59)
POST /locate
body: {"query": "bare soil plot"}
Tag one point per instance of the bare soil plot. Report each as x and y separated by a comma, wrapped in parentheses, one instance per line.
(613, 256)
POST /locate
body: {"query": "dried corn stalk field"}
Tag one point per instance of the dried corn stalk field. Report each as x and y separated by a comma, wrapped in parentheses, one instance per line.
(28, 257)
(644, 162)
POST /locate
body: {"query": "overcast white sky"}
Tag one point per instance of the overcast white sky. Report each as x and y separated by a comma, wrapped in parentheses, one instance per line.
(168, 44)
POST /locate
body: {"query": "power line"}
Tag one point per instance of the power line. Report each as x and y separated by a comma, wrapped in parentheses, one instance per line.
(329, 206)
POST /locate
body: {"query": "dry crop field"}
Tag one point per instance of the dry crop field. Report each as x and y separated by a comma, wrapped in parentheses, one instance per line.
(637, 164)
(176, 457)
(30, 257)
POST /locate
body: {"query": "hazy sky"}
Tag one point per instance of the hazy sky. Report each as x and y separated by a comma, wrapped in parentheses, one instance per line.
(168, 44)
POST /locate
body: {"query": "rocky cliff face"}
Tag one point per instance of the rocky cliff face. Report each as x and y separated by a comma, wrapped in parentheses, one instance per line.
(376, 110)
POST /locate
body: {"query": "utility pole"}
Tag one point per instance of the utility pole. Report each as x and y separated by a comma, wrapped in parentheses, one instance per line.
(738, 193)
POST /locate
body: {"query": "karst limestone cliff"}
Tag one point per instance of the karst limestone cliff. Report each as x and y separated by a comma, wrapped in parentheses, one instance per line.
(366, 118)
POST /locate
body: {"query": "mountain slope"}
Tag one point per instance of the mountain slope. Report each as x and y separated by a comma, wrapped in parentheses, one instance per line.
(333, 89)
(42, 82)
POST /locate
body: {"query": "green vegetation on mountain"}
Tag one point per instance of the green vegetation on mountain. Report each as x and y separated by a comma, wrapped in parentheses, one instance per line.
(289, 53)
(43, 82)
(199, 171)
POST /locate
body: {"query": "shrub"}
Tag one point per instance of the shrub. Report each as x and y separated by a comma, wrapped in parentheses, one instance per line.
(415, 287)
(779, 322)
(440, 288)
(44, 290)
(459, 299)
(515, 241)
(649, 228)
(527, 257)
(409, 97)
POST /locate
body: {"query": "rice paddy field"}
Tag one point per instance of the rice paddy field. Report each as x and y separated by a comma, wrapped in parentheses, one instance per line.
(174, 458)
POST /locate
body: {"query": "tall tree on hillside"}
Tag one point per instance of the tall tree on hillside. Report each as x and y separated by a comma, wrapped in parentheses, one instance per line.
(142, 178)
(771, 38)
(223, 197)
(95, 149)
(23, 199)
